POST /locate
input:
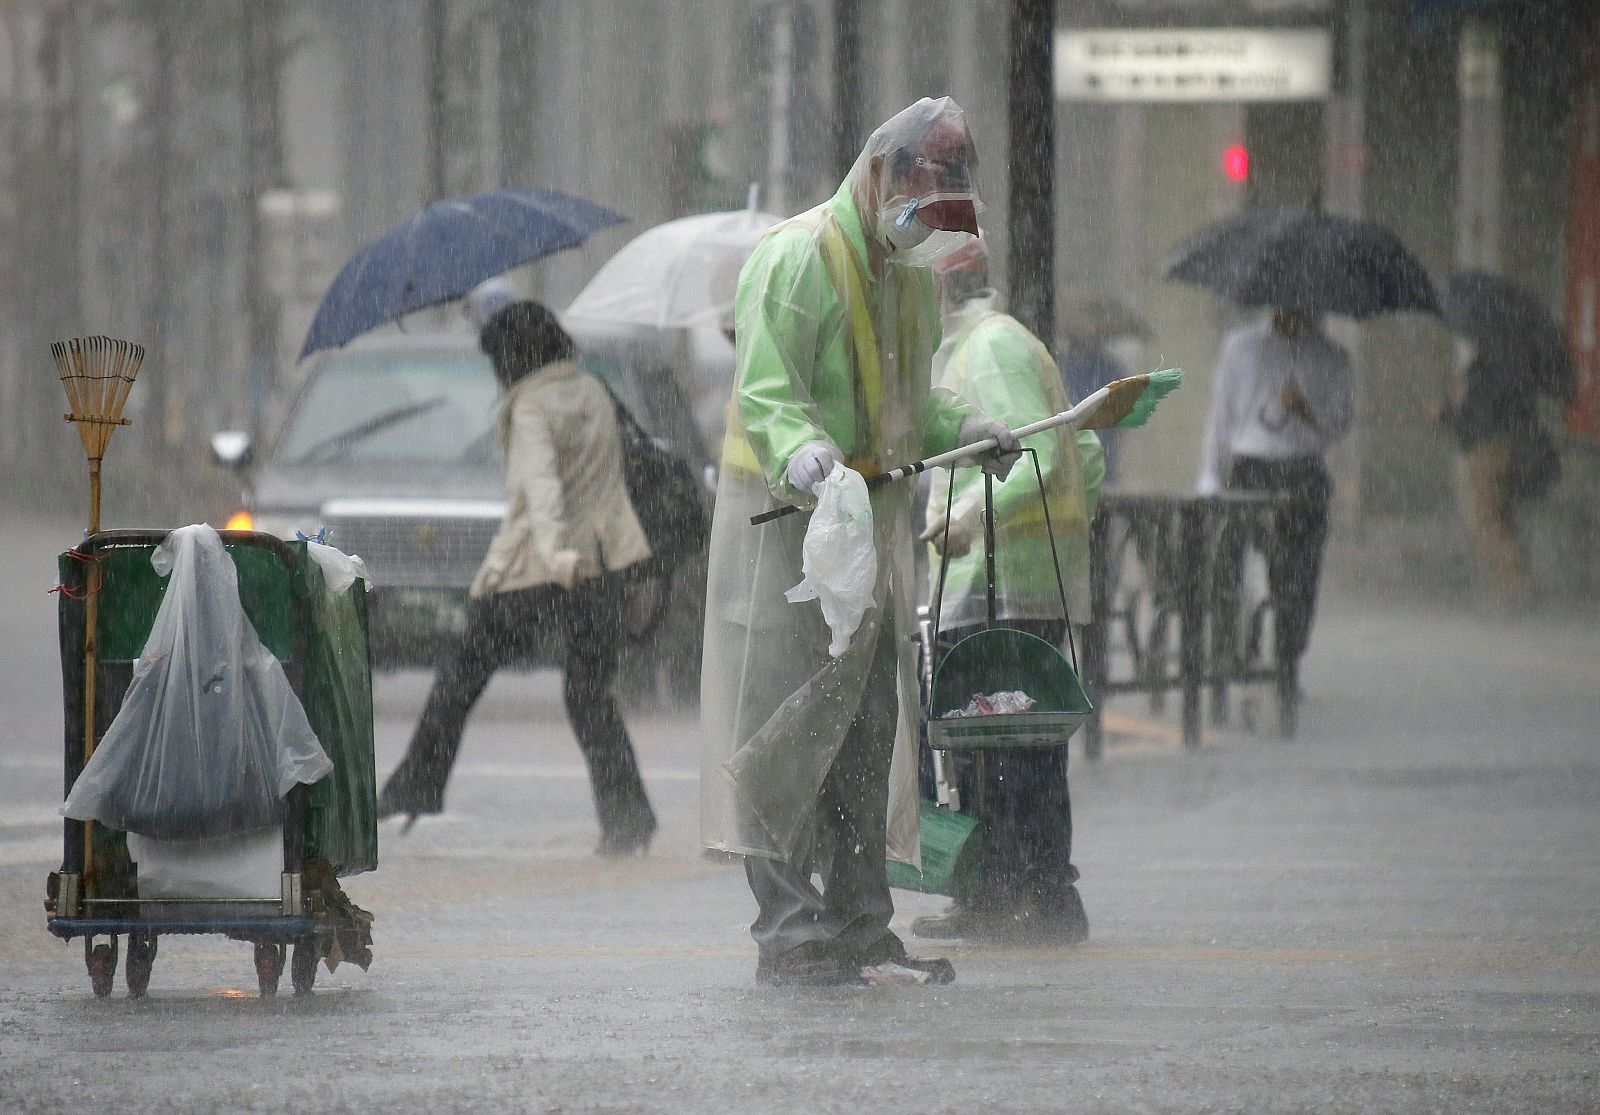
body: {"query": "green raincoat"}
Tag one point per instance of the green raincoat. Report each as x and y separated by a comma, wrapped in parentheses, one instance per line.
(990, 359)
(827, 353)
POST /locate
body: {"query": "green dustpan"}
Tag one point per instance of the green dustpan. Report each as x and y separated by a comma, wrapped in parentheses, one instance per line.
(1000, 658)
(952, 854)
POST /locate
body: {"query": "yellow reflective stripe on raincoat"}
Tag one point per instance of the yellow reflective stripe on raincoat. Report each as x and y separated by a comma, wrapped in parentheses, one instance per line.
(867, 383)
(849, 284)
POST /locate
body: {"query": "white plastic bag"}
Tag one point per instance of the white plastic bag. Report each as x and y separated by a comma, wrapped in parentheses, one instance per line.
(339, 569)
(210, 736)
(839, 556)
(245, 864)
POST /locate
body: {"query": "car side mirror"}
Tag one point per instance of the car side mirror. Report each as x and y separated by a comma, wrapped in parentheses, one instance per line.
(231, 448)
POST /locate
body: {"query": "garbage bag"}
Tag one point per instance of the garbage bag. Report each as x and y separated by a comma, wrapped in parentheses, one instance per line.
(339, 569)
(210, 736)
(839, 557)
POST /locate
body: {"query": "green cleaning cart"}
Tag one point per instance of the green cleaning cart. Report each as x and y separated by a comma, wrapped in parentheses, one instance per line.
(330, 827)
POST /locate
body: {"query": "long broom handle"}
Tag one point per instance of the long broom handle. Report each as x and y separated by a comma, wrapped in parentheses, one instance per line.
(1078, 414)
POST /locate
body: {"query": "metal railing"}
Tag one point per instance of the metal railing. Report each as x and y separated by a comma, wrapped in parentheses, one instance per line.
(1164, 572)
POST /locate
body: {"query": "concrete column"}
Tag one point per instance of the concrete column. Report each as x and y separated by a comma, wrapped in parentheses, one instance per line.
(1031, 209)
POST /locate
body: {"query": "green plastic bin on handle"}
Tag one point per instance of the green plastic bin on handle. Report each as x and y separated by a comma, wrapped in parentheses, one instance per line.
(998, 659)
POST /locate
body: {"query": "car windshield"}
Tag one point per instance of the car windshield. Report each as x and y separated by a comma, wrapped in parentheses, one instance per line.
(422, 406)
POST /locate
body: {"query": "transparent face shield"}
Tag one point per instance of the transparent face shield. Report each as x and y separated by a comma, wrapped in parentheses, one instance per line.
(932, 211)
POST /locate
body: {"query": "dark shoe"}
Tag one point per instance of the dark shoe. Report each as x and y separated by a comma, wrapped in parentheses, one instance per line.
(389, 807)
(401, 795)
(813, 964)
(627, 840)
(1062, 921)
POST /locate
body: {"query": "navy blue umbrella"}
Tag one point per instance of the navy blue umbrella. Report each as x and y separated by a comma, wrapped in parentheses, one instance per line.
(444, 251)
(1304, 259)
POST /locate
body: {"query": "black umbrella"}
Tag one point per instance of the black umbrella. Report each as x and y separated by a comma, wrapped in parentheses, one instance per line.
(1307, 260)
(1509, 322)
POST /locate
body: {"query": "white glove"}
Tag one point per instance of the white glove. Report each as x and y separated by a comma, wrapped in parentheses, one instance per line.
(810, 465)
(959, 540)
(980, 427)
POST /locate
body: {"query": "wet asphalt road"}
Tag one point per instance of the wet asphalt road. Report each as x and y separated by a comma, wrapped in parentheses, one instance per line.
(1398, 912)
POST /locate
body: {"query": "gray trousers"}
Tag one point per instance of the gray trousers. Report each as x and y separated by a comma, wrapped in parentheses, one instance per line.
(847, 846)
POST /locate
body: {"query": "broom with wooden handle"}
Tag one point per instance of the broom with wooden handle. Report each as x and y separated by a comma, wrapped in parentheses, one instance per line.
(1121, 404)
(97, 373)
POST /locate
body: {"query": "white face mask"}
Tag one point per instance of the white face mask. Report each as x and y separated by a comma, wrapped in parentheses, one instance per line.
(914, 243)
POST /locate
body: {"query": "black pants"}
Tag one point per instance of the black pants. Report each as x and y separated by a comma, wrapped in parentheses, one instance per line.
(501, 628)
(1025, 805)
(1293, 543)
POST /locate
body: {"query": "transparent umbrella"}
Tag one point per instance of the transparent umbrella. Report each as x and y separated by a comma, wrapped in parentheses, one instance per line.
(678, 275)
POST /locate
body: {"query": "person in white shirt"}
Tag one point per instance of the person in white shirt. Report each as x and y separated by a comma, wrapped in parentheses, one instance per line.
(1282, 396)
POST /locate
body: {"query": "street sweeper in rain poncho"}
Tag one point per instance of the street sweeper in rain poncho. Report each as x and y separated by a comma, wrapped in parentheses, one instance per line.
(809, 759)
(990, 359)
(1025, 889)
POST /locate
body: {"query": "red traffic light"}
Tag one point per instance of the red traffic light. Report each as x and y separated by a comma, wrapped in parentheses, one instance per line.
(1236, 162)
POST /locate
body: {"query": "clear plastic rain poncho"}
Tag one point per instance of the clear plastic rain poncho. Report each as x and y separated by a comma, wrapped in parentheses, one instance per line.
(993, 361)
(835, 345)
(210, 736)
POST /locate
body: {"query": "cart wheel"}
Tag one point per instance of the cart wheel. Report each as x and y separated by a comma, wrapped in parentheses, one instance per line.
(269, 967)
(303, 973)
(101, 960)
(141, 958)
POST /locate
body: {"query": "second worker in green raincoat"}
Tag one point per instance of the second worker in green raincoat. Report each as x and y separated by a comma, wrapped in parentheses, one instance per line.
(808, 760)
(1025, 890)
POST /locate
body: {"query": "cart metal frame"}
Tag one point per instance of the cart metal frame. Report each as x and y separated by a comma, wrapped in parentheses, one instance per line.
(74, 901)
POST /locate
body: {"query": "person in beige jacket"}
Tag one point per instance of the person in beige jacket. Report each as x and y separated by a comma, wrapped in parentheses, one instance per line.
(569, 528)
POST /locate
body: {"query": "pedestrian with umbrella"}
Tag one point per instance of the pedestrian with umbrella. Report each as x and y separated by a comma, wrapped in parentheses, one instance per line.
(1283, 393)
(1509, 353)
(570, 527)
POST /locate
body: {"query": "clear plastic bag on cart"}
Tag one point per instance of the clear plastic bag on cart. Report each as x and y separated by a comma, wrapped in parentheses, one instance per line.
(839, 556)
(210, 736)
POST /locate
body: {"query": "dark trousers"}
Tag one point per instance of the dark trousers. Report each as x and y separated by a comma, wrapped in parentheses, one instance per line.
(1293, 542)
(1022, 798)
(501, 628)
(850, 914)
